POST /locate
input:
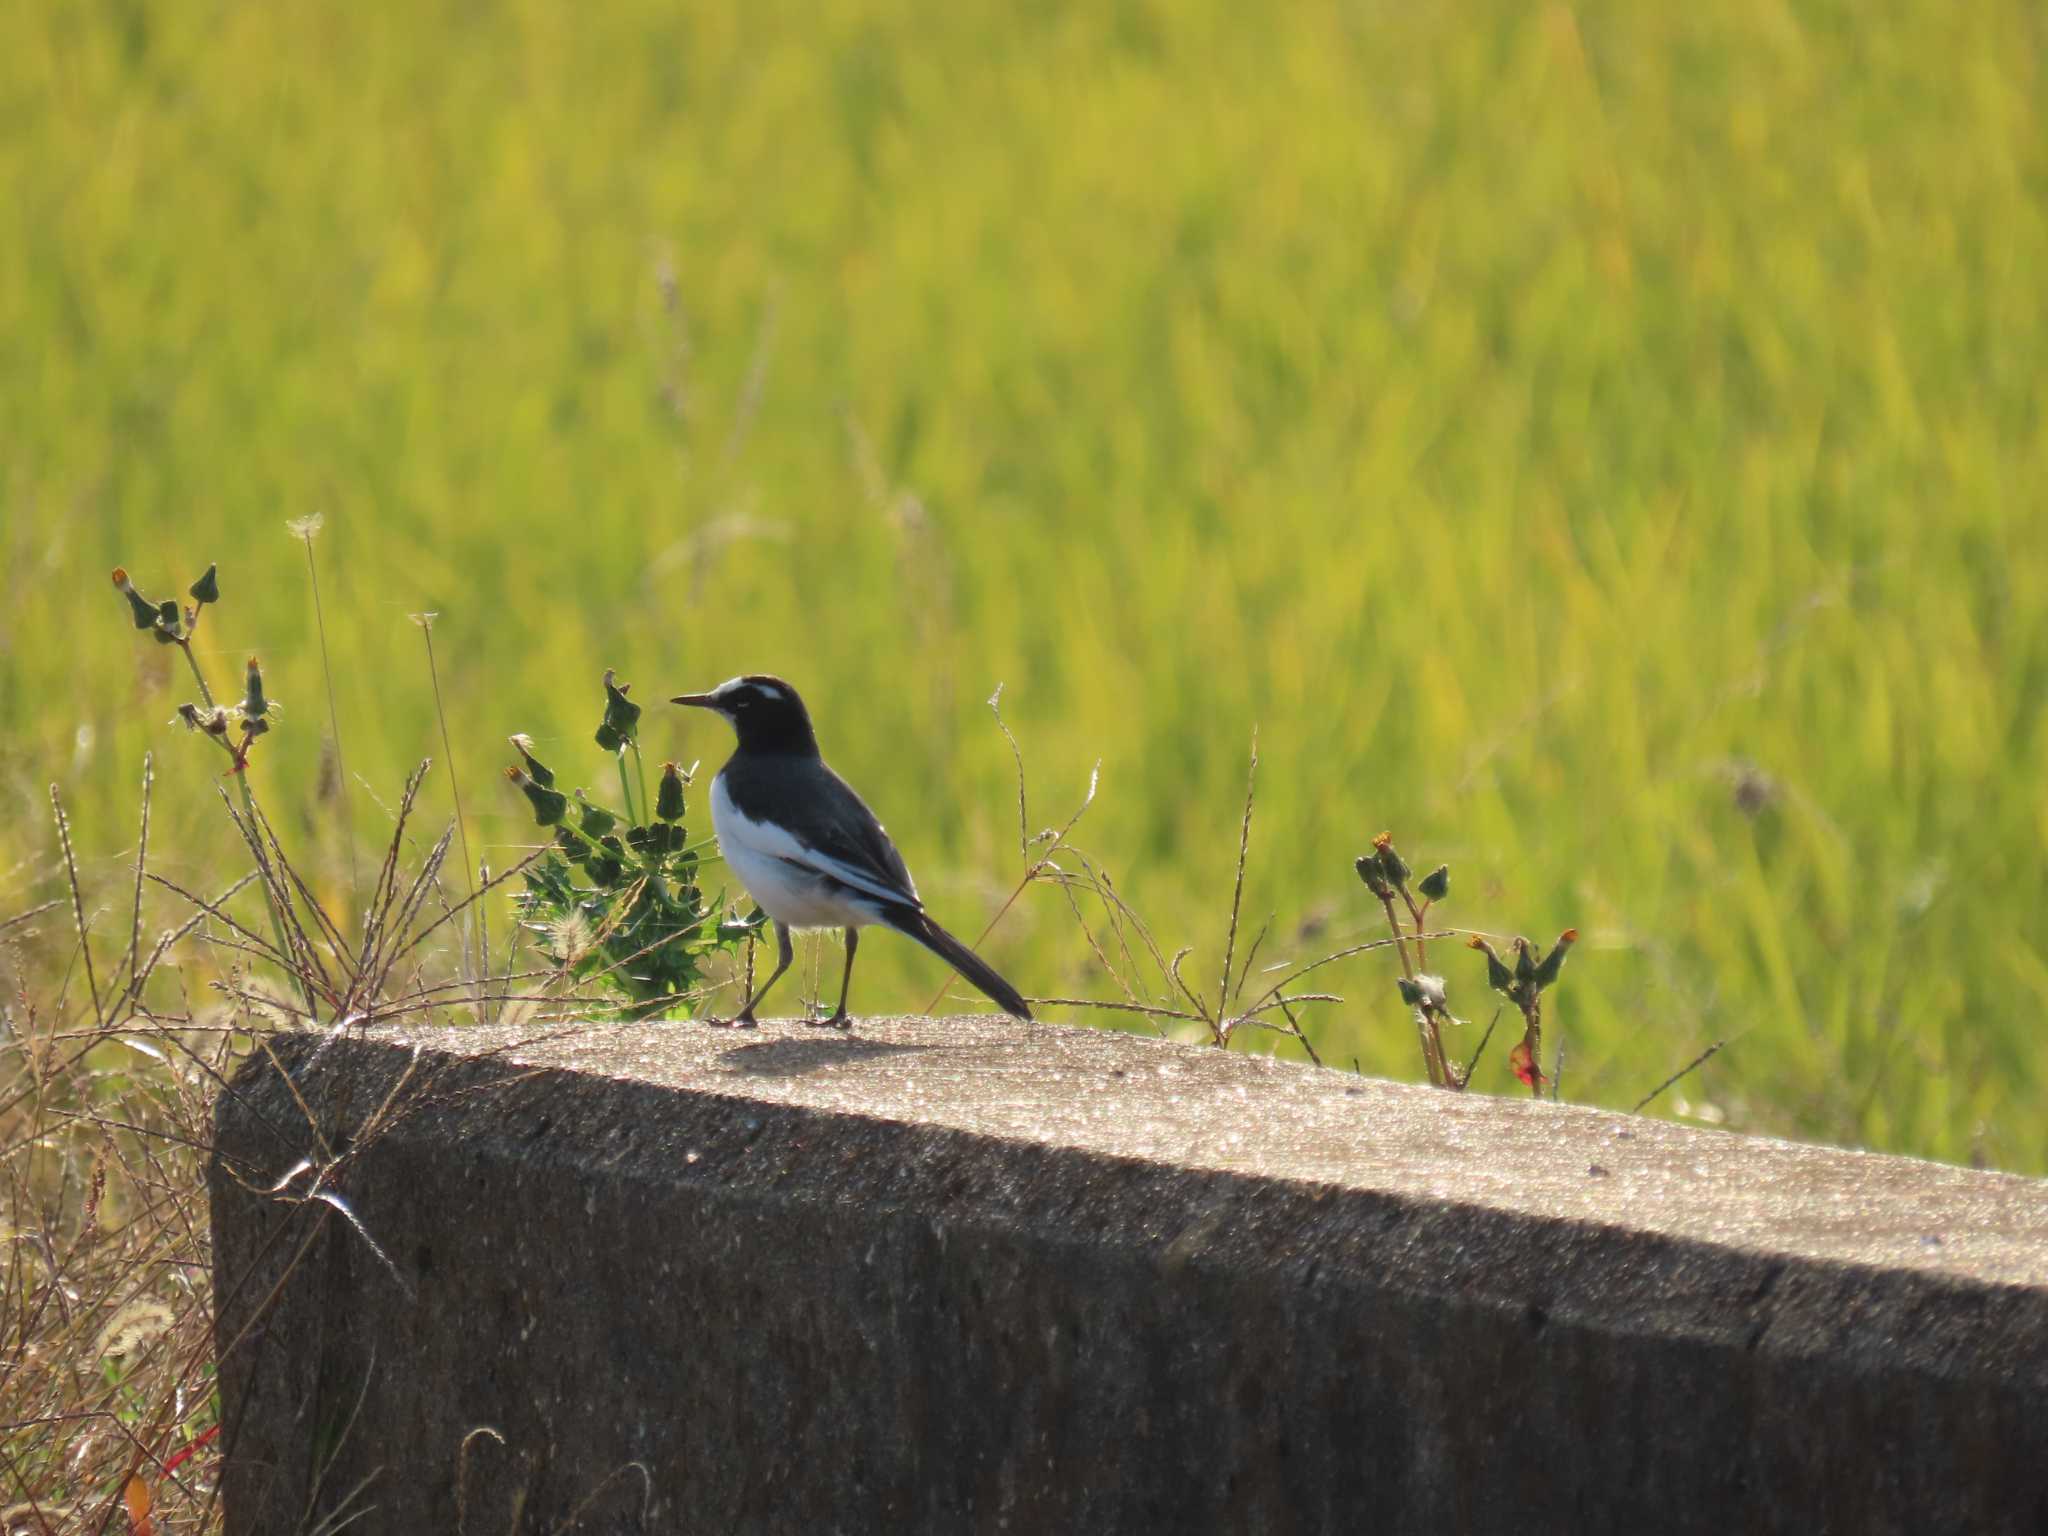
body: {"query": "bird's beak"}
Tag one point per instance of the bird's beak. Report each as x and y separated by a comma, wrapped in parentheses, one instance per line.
(698, 700)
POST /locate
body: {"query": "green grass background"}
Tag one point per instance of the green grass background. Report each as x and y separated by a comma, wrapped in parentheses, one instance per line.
(1537, 420)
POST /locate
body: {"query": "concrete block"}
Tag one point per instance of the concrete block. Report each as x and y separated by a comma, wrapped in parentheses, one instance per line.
(969, 1274)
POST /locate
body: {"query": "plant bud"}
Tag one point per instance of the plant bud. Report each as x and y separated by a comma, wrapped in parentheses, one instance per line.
(1436, 885)
(668, 799)
(1498, 976)
(1368, 867)
(549, 805)
(254, 704)
(1392, 865)
(1525, 959)
(166, 622)
(621, 715)
(140, 608)
(543, 775)
(1546, 973)
(1411, 994)
(207, 588)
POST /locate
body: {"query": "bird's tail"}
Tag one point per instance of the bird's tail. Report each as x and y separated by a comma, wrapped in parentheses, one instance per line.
(964, 960)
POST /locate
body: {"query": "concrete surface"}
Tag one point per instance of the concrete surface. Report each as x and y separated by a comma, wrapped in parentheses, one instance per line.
(977, 1275)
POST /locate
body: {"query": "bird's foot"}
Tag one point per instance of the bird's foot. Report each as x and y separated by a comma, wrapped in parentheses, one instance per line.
(744, 1021)
(837, 1021)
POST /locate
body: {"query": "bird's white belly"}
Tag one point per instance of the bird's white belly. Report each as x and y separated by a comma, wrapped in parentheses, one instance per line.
(788, 894)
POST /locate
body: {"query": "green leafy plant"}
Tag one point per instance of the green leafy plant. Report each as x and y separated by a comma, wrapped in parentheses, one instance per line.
(234, 728)
(1401, 894)
(616, 901)
(1524, 984)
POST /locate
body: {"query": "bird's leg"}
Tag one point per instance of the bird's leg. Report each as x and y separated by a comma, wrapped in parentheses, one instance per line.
(784, 953)
(839, 1020)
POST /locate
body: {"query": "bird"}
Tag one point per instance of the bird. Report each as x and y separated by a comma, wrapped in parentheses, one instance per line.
(806, 846)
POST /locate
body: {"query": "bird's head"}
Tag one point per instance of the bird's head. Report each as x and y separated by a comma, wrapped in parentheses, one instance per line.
(764, 711)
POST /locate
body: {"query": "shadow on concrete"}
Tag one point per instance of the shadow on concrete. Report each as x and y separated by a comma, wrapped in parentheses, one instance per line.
(795, 1058)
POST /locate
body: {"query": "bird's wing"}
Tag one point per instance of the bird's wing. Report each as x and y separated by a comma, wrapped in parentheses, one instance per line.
(827, 828)
(857, 849)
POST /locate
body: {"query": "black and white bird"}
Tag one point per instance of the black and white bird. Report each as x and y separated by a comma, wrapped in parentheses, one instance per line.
(807, 848)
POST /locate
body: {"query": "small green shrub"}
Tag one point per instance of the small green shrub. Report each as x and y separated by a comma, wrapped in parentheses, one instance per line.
(1390, 879)
(616, 901)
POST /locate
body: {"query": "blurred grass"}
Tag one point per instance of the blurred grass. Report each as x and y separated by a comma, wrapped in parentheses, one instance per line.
(1604, 444)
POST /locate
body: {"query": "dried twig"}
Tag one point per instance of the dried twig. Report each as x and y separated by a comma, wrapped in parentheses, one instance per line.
(1697, 1061)
(77, 900)
(1244, 841)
